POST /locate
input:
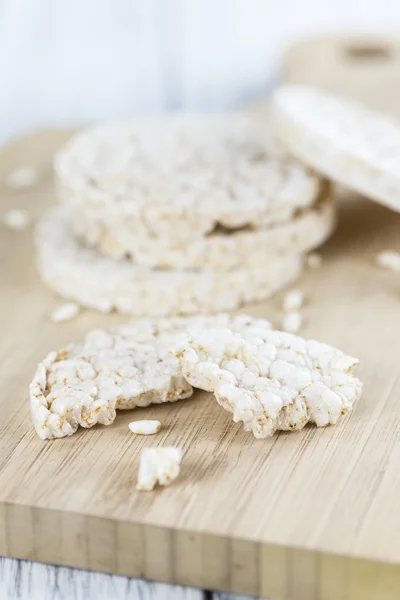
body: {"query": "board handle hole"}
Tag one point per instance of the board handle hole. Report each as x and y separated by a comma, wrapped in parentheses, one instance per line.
(368, 52)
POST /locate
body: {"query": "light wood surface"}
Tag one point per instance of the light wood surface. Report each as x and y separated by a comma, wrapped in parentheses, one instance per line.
(364, 67)
(311, 515)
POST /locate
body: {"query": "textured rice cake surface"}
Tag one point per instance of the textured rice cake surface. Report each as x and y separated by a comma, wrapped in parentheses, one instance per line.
(128, 366)
(85, 276)
(179, 177)
(341, 139)
(223, 249)
(269, 379)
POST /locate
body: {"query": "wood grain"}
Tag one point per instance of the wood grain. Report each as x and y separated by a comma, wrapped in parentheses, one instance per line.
(364, 67)
(312, 514)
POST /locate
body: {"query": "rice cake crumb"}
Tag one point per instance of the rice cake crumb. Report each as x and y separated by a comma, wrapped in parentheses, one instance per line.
(292, 322)
(293, 300)
(65, 312)
(145, 427)
(23, 177)
(16, 219)
(389, 259)
(158, 465)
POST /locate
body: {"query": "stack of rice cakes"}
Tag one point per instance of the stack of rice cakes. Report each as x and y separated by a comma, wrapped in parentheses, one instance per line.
(179, 214)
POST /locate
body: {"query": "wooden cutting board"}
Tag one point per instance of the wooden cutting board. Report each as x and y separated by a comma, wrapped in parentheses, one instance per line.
(364, 67)
(312, 515)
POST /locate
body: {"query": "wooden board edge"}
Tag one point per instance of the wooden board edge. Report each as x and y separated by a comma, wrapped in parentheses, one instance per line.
(192, 559)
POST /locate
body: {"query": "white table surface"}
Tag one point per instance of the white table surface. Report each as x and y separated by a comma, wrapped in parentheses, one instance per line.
(24, 580)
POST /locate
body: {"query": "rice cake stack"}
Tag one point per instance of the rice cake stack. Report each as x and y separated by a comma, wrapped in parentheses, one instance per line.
(179, 214)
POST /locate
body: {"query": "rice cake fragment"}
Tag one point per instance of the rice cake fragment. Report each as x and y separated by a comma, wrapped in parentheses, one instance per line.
(127, 366)
(270, 380)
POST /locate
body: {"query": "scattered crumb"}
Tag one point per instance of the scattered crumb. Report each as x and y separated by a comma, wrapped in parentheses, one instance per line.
(17, 219)
(314, 260)
(22, 178)
(292, 322)
(145, 427)
(293, 300)
(65, 312)
(160, 465)
(389, 259)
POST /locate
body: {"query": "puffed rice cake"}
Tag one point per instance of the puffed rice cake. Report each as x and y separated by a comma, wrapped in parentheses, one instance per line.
(82, 275)
(222, 250)
(342, 139)
(149, 187)
(269, 380)
(124, 367)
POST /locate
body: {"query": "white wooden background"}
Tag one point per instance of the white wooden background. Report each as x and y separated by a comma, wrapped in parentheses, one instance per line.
(21, 580)
(74, 60)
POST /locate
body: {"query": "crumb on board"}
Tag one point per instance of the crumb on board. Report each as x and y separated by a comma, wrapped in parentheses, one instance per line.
(292, 322)
(158, 465)
(293, 300)
(16, 219)
(65, 312)
(389, 259)
(23, 177)
(145, 427)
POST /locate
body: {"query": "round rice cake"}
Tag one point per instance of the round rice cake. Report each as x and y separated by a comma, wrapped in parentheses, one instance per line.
(269, 380)
(221, 249)
(180, 177)
(341, 139)
(127, 366)
(83, 275)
